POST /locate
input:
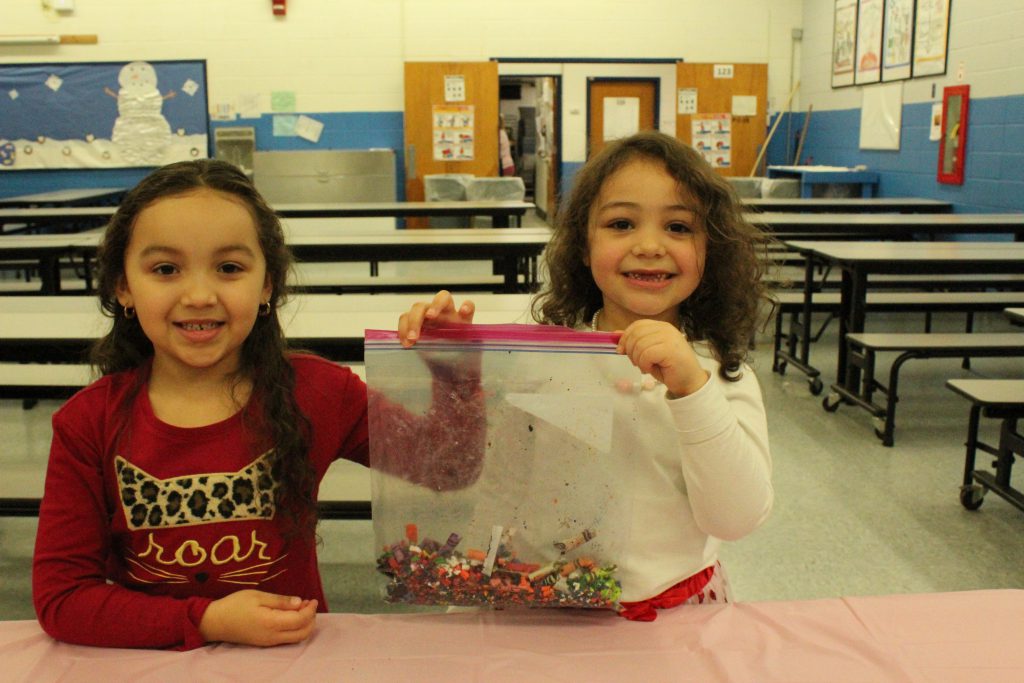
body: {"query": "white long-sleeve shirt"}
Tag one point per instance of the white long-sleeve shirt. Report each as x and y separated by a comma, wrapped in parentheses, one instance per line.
(701, 475)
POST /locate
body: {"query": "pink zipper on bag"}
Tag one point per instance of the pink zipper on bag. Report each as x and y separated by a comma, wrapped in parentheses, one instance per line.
(554, 336)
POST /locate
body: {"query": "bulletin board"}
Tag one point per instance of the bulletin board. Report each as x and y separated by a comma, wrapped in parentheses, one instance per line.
(102, 114)
(734, 98)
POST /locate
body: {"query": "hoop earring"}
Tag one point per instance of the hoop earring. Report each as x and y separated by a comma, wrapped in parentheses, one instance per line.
(264, 309)
(129, 312)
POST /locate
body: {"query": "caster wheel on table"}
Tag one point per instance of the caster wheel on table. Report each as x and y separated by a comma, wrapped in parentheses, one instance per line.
(972, 496)
(816, 385)
(830, 403)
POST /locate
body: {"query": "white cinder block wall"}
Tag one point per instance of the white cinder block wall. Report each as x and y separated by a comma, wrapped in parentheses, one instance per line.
(347, 55)
(987, 38)
(986, 41)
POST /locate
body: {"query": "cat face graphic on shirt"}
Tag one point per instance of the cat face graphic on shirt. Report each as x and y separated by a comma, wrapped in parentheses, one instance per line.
(152, 505)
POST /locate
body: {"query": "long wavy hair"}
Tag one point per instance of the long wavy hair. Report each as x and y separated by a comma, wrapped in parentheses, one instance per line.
(726, 307)
(272, 414)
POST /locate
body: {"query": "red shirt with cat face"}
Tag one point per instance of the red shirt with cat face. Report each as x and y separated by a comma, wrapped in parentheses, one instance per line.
(138, 534)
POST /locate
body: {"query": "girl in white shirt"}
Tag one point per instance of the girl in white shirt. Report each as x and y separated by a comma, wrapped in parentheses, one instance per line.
(652, 243)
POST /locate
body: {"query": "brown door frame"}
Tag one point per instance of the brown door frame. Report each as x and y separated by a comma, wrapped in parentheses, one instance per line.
(654, 80)
(557, 141)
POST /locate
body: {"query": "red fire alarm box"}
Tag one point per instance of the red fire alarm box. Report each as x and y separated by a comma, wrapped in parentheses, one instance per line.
(280, 9)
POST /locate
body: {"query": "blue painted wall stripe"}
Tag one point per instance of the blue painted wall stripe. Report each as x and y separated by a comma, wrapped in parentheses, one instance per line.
(346, 130)
(994, 170)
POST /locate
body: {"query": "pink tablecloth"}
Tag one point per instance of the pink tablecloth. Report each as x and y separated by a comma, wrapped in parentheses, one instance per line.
(944, 637)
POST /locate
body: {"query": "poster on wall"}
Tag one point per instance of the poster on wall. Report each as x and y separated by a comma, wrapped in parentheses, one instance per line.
(869, 41)
(454, 88)
(102, 114)
(621, 117)
(453, 132)
(931, 37)
(687, 101)
(897, 39)
(712, 137)
(844, 42)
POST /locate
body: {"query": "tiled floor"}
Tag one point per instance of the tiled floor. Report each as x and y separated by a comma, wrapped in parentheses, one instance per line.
(851, 516)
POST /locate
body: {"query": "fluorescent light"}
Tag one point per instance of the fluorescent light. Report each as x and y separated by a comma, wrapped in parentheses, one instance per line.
(29, 40)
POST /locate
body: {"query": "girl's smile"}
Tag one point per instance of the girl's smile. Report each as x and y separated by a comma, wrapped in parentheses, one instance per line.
(651, 279)
(198, 332)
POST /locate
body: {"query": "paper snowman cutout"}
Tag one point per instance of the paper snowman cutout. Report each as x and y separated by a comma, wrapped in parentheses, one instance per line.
(141, 133)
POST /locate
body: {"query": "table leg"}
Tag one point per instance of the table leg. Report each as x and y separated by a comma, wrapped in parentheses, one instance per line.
(798, 344)
(509, 268)
(805, 335)
(851, 319)
(1009, 441)
(971, 455)
(49, 273)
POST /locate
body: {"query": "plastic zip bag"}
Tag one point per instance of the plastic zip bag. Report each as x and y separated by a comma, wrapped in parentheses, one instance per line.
(546, 522)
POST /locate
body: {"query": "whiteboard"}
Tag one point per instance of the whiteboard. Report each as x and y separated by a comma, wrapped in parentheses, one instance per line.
(881, 116)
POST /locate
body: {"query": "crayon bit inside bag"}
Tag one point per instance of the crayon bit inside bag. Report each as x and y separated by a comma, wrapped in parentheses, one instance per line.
(424, 577)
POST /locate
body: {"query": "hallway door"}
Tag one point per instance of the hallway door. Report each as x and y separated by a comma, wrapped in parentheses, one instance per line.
(545, 194)
(617, 108)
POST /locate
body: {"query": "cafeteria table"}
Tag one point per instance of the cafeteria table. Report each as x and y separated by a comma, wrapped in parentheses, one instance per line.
(956, 637)
(859, 259)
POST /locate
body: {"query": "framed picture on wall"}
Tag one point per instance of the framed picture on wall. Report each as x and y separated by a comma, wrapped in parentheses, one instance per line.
(931, 37)
(869, 41)
(102, 114)
(897, 39)
(844, 42)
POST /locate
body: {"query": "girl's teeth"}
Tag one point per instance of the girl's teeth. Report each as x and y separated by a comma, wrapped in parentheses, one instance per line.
(645, 276)
(199, 326)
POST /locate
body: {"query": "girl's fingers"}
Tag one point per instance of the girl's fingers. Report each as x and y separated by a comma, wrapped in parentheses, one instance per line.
(277, 601)
(296, 635)
(442, 303)
(410, 324)
(440, 308)
(291, 613)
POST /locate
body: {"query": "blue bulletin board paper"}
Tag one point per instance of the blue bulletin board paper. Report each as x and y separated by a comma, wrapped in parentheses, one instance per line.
(102, 114)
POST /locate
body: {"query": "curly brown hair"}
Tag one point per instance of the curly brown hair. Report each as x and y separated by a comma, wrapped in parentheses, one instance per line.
(264, 353)
(726, 307)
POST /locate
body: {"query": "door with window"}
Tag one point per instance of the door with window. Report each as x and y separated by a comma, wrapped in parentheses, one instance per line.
(618, 108)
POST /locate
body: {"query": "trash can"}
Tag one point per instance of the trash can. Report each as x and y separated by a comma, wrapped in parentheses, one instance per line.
(746, 188)
(780, 188)
(506, 189)
(447, 187)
